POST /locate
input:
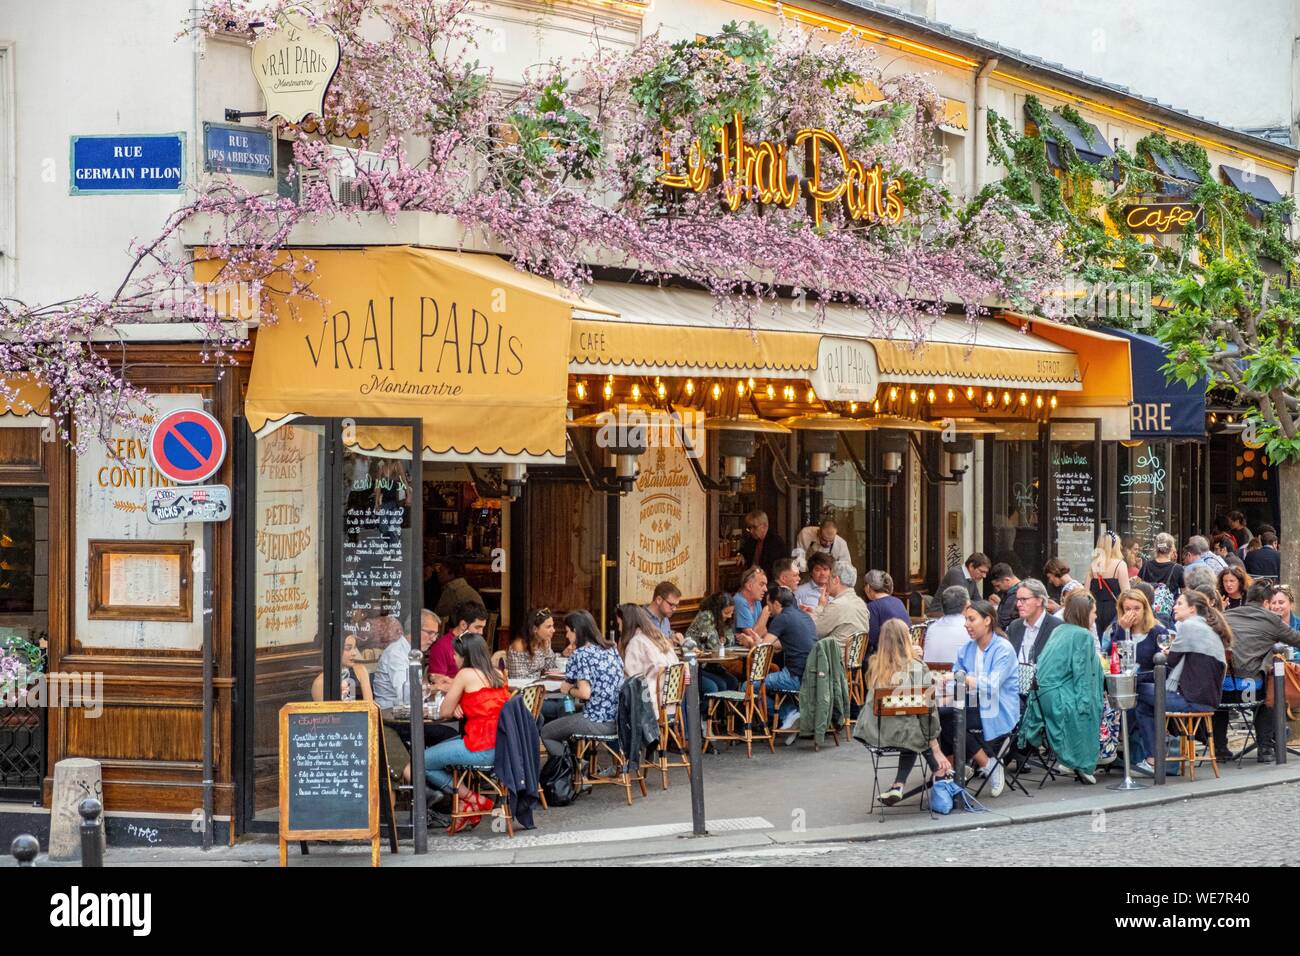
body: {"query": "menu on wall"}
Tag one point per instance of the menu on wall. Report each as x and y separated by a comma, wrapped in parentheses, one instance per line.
(376, 550)
(1143, 511)
(143, 580)
(112, 481)
(1074, 486)
(663, 524)
(287, 540)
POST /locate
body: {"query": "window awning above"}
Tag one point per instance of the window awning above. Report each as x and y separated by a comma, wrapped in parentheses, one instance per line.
(30, 407)
(1092, 149)
(1259, 188)
(669, 331)
(1161, 409)
(1186, 178)
(466, 343)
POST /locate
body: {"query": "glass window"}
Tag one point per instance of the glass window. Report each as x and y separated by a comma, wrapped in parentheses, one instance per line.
(1016, 494)
(1144, 495)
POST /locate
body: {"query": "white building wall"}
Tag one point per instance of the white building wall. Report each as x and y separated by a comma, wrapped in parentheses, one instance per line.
(1230, 63)
(79, 70)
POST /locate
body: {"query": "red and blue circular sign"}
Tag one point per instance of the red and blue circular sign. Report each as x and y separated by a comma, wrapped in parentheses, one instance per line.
(187, 446)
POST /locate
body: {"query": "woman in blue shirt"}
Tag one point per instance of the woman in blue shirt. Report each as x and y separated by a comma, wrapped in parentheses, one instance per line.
(593, 675)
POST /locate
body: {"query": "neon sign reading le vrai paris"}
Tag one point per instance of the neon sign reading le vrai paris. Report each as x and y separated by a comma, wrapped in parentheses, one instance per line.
(759, 172)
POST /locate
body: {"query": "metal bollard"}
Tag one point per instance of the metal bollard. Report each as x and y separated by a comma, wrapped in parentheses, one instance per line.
(959, 732)
(1279, 703)
(419, 802)
(1160, 744)
(25, 849)
(695, 731)
(92, 851)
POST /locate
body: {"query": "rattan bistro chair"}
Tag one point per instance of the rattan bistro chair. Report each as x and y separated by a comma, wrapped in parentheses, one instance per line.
(748, 705)
(480, 781)
(534, 696)
(855, 656)
(672, 727)
(1187, 726)
(589, 748)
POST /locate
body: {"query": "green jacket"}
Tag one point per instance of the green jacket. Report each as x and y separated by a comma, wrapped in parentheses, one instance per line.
(1067, 704)
(824, 690)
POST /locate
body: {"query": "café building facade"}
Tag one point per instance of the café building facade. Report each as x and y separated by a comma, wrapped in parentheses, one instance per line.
(572, 452)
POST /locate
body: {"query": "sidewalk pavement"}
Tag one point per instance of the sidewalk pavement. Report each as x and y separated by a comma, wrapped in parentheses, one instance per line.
(792, 796)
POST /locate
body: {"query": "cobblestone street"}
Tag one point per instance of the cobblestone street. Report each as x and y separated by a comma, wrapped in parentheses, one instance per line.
(1238, 829)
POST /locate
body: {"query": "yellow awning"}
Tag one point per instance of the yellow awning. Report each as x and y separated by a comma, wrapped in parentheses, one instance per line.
(466, 343)
(1103, 360)
(669, 331)
(31, 402)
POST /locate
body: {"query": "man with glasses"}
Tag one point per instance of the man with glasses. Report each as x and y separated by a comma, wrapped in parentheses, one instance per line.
(662, 607)
(1030, 633)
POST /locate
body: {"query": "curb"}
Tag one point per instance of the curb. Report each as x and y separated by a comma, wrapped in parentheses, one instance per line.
(869, 832)
(1096, 798)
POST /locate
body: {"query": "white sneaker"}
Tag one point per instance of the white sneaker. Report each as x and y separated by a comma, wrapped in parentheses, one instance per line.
(997, 780)
(791, 720)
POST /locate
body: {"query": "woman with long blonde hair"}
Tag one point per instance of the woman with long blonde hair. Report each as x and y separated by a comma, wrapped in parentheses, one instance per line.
(892, 667)
(1107, 577)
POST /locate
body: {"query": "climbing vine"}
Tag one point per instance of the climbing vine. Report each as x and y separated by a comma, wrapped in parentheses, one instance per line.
(1220, 287)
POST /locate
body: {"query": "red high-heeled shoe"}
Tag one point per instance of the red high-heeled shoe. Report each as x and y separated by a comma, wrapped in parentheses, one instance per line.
(473, 802)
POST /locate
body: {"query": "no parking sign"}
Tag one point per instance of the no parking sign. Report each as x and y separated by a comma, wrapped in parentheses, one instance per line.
(187, 446)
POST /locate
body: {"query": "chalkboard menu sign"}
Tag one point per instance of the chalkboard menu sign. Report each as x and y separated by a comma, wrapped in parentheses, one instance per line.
(1074, 487)
(376, 545)
(1143, 504)
(329, 773)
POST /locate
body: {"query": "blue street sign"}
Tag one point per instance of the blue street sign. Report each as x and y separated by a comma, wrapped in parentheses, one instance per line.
(128, 164)
(238, 149)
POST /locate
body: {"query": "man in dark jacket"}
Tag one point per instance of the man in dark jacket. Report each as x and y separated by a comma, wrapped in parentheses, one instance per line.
(1265, 561)
(1005, 583)
(1255, 629)
(1029, 634)
(762, 546)
(968, 575)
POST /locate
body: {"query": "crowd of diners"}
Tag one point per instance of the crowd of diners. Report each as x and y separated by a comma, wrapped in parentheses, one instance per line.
(1034, 663)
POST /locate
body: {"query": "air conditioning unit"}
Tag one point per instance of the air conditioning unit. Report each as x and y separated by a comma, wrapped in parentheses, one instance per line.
(347, 188)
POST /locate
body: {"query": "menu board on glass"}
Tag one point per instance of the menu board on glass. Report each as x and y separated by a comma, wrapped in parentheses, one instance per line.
(1143, 505)
(376, 550)
(1074, 487)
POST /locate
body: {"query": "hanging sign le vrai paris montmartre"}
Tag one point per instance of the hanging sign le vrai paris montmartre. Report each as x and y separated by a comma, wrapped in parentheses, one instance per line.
(761, 171)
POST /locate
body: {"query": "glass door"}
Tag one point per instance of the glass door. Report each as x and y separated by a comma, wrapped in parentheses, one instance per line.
(331, 564)
(286, 590)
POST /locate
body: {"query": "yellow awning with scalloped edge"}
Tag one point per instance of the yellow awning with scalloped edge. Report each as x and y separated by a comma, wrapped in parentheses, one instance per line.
(467, 344)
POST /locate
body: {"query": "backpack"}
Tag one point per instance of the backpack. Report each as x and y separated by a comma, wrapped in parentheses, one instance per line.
(1163, 599)
(1163, 602)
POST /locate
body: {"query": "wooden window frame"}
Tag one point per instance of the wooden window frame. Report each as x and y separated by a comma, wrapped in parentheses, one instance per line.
(99, 610)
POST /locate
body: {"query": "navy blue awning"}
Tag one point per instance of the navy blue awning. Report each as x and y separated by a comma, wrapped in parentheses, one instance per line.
(1259, 188)
(1187, 178)
(1092, 149)
(1160, 409)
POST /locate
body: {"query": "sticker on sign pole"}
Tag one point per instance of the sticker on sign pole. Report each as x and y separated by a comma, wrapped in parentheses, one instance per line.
(187, 446)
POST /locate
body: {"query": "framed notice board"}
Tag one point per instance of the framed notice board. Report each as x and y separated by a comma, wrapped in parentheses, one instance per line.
(329, 773)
